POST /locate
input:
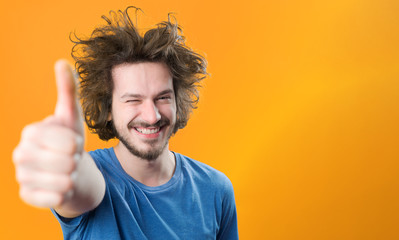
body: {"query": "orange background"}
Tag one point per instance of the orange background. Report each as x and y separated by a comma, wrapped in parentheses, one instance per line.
(301, 111)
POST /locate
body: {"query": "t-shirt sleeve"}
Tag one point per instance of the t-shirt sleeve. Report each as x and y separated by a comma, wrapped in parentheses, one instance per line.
(71, 222)
(228, 227)
(70, 226)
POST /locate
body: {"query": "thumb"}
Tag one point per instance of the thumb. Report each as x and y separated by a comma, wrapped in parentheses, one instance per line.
(67, 110)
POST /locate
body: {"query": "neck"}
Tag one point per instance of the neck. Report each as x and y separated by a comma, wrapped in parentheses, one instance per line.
(151, 173)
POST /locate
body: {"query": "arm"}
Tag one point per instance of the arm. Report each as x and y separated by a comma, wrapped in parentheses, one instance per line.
(51, 167)
(88, 190)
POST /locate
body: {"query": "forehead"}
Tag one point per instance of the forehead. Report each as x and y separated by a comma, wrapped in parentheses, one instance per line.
(141, 78)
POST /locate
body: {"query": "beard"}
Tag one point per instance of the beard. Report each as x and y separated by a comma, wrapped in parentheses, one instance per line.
(154, 151)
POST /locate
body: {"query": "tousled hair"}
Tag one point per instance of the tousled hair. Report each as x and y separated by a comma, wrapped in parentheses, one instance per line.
(118, 42)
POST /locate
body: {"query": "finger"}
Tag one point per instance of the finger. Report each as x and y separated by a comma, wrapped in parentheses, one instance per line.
(33, 179)
(41, 198)
(52, 137)
(67, 109)
(66, 101)
(34, 157)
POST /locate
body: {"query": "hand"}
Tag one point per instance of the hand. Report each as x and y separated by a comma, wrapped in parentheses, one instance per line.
(47, 156)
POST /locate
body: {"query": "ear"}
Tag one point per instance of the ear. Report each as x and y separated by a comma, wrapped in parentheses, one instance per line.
(109, 118)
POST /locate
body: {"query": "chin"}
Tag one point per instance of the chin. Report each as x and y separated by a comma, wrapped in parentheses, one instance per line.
(150, 154)
(147, 149)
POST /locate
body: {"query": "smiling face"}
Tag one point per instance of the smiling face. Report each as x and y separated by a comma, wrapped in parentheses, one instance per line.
(143, 107)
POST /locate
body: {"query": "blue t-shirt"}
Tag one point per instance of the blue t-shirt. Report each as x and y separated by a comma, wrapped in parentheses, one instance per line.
(196, 203)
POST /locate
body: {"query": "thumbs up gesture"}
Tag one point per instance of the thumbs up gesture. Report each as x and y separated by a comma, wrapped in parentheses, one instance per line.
(48, 155)
(67, 110)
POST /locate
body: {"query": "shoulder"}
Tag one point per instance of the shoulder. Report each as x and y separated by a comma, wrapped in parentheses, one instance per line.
(102, 157)
(205, 174)
(101, 153)
(110, 168)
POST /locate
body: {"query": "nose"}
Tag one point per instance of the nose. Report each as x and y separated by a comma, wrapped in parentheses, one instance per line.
(150, 113)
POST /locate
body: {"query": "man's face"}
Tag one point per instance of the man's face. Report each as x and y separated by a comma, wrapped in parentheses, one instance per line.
(143, 107)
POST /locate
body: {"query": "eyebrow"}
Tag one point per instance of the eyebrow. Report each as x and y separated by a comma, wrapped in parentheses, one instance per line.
(135, 95)
(164, 92)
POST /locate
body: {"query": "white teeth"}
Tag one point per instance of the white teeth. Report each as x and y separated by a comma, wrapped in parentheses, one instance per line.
(148, 131)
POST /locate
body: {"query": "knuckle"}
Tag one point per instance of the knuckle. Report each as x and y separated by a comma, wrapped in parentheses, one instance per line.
(21, 155)
(40, 197)
(22, 193)
(17, 156)
(23, 177)
(25, 194)
(19, 176)
(29, 130)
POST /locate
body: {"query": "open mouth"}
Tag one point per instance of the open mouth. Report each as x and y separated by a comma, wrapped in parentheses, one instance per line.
(147, 131)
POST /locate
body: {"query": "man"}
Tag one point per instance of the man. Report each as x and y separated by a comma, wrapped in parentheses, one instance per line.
(141, 90)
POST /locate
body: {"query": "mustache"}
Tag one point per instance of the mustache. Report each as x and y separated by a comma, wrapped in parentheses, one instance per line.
(143, 124)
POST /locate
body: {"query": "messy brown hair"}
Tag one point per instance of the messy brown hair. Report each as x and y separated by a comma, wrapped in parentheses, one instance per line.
(118, 42)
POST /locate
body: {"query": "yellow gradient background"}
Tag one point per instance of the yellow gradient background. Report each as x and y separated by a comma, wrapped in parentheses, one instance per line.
(301, 111)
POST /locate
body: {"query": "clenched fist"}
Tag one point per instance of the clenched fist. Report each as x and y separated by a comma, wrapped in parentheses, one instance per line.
(51, 167)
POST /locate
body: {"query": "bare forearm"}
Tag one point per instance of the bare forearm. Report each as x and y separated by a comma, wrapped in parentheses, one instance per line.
(88, 189)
